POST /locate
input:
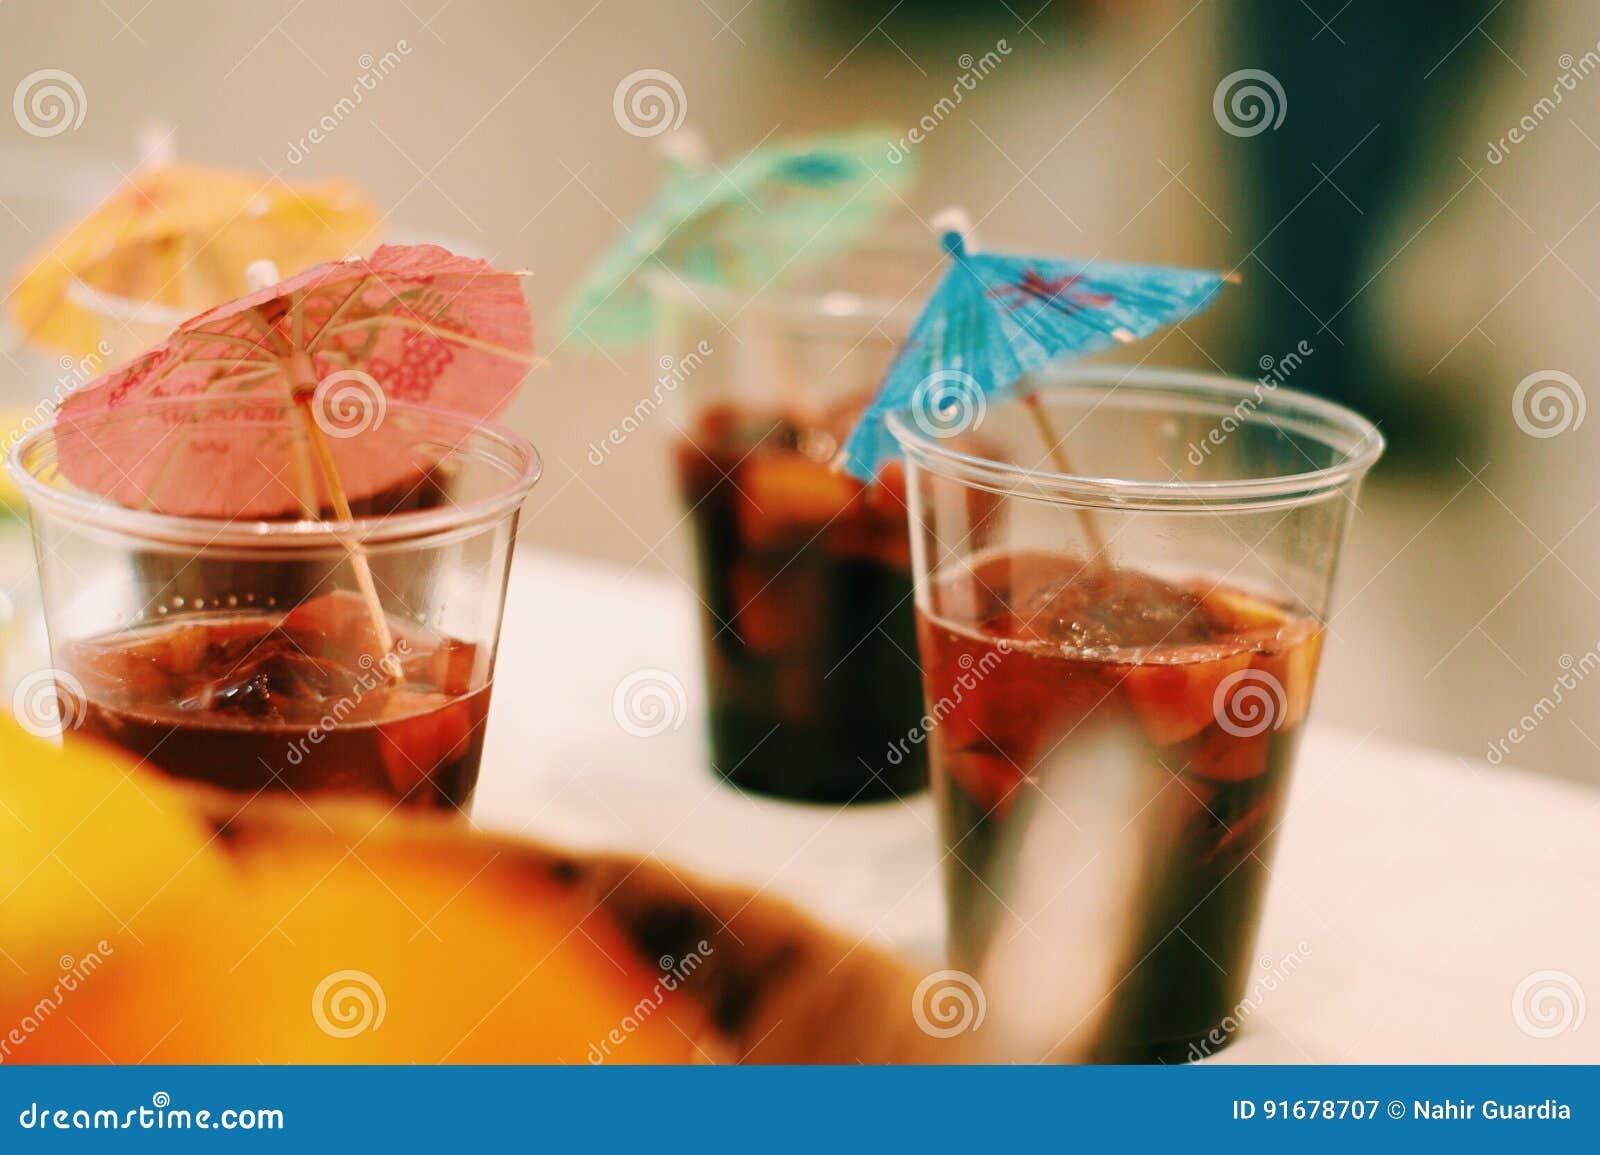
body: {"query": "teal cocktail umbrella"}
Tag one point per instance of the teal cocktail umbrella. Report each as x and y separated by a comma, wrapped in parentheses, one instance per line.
(743, 225)
(994, 318)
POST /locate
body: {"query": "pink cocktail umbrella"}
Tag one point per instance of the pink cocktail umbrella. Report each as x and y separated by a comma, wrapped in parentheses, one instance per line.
(415, 323)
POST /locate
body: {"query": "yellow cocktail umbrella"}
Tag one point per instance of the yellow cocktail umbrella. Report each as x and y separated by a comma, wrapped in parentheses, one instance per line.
(178, 237)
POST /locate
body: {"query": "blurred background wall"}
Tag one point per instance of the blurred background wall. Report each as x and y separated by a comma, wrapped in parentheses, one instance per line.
(1415, 195)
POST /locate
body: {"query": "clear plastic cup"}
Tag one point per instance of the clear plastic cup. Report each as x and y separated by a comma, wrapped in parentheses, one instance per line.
(804, 573)
(1117, 665)
(241, 653)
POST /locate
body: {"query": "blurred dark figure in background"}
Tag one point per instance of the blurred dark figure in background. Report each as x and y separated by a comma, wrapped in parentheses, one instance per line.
(1373, 89)
(1371, 94)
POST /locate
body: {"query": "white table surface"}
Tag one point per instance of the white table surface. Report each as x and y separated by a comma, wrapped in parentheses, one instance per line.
(1415, 889)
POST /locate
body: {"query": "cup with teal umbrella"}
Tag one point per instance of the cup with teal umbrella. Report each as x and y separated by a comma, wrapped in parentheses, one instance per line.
(777, 287)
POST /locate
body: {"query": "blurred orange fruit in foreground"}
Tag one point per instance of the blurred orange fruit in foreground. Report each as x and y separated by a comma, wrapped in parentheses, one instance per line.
(143, 922)
(202, 947)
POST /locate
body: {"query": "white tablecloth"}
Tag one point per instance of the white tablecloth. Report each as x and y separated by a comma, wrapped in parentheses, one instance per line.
(1415, 902)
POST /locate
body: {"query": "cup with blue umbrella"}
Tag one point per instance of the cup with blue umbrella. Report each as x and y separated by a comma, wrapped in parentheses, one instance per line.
(1122, 580)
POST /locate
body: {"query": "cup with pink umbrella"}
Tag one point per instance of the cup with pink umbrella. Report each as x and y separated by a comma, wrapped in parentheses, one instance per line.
(274, 548)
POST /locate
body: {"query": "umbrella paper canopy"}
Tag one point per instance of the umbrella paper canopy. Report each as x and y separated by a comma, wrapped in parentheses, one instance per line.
(742, 226)
(994, 318)
(412, 322)
(180, 237)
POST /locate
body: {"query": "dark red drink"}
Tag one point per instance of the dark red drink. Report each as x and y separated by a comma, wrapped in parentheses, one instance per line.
(810, 638)
(1205, 686)
(251, 700)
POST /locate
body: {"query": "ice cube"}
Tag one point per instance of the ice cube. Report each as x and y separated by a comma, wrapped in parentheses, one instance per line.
(275, 682)
(425, 731)
(1175, 698)
(335, 625)
(451, 666)
(1090, 607)
(1292, 663)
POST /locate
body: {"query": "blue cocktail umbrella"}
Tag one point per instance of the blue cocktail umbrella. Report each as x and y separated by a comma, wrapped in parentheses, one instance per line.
(742, 225)
(995, 317)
